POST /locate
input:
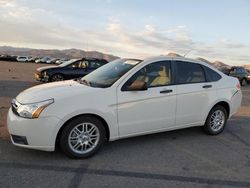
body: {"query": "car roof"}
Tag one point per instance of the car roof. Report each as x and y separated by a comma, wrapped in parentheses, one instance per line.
(164, 58)
(99, 59)
(238, 67)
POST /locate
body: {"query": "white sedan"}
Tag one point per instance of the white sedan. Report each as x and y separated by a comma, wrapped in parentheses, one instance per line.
(125, 98)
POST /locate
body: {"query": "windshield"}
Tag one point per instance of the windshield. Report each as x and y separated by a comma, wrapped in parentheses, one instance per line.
(68, 62)
(108, 74)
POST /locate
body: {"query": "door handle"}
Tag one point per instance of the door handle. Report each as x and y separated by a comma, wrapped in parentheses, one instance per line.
(207, 86)
(166, 91)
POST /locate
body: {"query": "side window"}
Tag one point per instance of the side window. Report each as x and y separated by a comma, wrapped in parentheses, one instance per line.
(95, 64)
(243, 70)
(212, 76)
(75, 64)
(79, 64)
(188, 72)
(155, 75)
(83, 64)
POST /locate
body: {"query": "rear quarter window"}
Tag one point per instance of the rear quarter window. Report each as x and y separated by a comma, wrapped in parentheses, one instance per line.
(212, 76)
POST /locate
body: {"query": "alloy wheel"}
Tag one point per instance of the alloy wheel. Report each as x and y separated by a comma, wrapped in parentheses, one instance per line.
(57, 77)
(217, 120)
(83, 138)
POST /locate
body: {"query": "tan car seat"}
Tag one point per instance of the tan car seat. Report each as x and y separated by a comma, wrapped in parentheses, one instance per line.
(162, 79)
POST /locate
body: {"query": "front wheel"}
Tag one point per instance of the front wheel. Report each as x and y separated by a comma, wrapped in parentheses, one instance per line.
(82, 137)
(57, 77)
(216, 120)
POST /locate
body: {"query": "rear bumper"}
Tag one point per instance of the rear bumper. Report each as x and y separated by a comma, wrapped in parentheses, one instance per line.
(37, 133)
(235, 102)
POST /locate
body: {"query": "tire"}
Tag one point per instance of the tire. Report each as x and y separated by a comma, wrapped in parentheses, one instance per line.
(80, 130)
(56, 78)
(243, 82)
(216, 120)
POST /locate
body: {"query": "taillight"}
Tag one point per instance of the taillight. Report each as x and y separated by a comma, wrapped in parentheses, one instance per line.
(238, 86)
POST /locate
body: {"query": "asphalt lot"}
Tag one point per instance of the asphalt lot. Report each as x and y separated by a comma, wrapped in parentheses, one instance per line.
(183, 158)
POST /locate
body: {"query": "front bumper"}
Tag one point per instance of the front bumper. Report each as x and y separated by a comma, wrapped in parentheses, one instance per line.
(39, 133)
(41, 78)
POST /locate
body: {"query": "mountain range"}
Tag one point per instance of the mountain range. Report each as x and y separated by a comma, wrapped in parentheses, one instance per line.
(67, 53)
(77, 53)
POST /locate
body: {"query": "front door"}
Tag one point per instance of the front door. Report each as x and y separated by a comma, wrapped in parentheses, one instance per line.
(148, 110)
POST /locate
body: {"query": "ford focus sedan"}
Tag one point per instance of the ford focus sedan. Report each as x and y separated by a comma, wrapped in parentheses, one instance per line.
(124, 98)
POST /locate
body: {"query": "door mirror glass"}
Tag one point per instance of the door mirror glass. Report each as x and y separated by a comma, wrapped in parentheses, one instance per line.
(138, 85)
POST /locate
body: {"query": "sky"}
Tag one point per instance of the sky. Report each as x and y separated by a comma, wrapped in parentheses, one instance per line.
(211, 29)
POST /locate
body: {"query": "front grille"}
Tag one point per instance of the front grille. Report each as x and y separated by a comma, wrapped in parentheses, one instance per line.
(19, 139)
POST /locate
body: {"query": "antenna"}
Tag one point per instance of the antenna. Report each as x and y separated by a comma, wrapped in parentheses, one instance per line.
(87, 48)
(187, 53)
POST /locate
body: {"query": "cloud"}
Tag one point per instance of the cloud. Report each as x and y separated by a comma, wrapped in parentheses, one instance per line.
(231, 44)
(40, 28)
(7, 3)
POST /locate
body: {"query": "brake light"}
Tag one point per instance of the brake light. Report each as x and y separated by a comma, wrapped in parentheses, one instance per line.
(238, 86)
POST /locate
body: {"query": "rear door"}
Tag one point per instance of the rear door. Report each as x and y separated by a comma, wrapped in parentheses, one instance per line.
(194, 93)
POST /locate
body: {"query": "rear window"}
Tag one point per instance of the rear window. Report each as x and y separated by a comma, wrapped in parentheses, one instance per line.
(189, 73)
(212, 76)
(95, 64)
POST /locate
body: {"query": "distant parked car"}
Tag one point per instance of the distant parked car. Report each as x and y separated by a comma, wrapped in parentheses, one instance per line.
(23, 58)
(33, 59)
(60, 61)
(240, 73)
(74, 68)
(8, 58)
(248, 75)
(42, 60)
(52, 60)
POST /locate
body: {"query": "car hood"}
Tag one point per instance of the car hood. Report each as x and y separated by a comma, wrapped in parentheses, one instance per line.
(46, 67)
(55, 90)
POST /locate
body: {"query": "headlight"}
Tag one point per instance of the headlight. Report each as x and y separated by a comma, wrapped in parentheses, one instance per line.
(32, 110)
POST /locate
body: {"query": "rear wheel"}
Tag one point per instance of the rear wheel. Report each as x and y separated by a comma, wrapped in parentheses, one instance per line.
(244, 82)
(57, 77)
(82, 137)
(216, 120)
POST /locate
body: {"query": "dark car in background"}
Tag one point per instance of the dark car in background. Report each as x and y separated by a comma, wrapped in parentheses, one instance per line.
(71, 69)
(248, 75)
(8, 58)
(240, 73)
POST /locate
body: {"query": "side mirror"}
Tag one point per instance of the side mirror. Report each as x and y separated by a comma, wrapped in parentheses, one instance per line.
(138, 85)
